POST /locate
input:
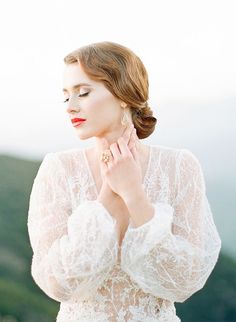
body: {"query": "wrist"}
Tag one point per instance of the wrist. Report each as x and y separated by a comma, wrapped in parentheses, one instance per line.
(140, 208)
(106, 194)
(134, 195)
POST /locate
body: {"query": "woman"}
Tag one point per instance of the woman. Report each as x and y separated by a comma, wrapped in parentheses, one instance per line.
(122, 230)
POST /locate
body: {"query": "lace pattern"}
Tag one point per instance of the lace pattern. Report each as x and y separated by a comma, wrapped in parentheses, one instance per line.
(76, 257)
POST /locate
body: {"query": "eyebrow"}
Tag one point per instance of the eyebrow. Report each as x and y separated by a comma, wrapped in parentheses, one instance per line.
(77, 86)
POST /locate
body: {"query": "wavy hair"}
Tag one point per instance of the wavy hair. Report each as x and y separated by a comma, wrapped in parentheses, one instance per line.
(123, 74)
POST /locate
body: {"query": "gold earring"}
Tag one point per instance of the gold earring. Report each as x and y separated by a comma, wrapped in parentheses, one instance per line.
(125, 120)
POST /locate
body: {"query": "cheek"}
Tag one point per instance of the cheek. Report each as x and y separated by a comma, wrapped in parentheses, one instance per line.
(104, 105)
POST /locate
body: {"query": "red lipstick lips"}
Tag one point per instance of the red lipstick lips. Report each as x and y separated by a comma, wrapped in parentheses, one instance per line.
(77, 121)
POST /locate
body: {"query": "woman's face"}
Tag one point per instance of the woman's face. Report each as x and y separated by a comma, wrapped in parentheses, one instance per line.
(91, 100)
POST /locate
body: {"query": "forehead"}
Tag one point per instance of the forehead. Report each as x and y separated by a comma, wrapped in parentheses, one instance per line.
(74, 76)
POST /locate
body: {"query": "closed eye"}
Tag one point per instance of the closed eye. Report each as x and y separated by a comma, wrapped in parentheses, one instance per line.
(85, 94)
(80, 95)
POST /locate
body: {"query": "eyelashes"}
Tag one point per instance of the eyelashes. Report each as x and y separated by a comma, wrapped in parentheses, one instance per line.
(80, 95)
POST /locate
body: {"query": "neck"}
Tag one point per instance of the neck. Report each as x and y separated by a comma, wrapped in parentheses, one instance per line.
(111, 137)
(98, 148)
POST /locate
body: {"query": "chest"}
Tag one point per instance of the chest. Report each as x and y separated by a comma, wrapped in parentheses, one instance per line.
(122, 216)
(119, 211)
(156, 185)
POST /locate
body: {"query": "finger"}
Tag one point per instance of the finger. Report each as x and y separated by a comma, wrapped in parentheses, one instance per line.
(135, 144)
(135, 153)
(104, 146)
(127, 132)
(128, 135)
(106, 165)
(103, 168)
(135, 135)
(133, 139)
(115, 151)
(123, 147)
(131, 143)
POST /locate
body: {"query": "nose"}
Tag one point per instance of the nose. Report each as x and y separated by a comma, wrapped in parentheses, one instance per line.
(73, 106)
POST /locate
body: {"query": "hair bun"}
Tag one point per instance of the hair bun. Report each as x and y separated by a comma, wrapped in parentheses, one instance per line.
(124, 75)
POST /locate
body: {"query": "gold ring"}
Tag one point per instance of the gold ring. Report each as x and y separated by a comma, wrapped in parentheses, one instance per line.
(106, 154)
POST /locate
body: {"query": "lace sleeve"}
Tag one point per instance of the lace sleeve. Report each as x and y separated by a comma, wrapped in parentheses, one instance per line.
(172, 255)
(72, 251)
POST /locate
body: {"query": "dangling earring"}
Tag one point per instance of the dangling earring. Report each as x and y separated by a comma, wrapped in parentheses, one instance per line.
(125, 120)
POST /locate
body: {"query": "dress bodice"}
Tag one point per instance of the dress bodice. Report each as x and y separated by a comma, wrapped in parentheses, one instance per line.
(78, 262)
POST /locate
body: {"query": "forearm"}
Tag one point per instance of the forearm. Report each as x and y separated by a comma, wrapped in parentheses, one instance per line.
(140, 208)
(108, 198)
(80, 259)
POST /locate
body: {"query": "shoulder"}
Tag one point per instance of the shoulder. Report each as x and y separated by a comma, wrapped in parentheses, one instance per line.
(165, 156)
(68, 153)
(189, 161)
(64, 159)
(189, 172)
(164, 149)
(178, 154)
(180, 160)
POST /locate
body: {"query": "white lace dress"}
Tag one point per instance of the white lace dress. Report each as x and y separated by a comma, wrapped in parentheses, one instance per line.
(76, 256)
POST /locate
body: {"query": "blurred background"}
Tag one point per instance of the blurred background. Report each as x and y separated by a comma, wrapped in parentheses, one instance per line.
(189, 50)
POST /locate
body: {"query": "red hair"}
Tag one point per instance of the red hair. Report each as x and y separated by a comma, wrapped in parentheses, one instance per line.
(123, 74)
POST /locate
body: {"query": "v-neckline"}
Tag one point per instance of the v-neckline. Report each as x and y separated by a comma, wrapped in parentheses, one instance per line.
(92, 178)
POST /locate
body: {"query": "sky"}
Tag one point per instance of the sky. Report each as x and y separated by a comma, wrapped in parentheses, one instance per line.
(188, 48)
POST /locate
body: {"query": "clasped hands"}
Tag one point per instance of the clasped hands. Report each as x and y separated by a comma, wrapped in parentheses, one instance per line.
(123, 172)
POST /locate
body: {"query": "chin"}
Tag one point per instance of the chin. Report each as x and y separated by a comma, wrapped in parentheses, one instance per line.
(94, 133)
(84, 136)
